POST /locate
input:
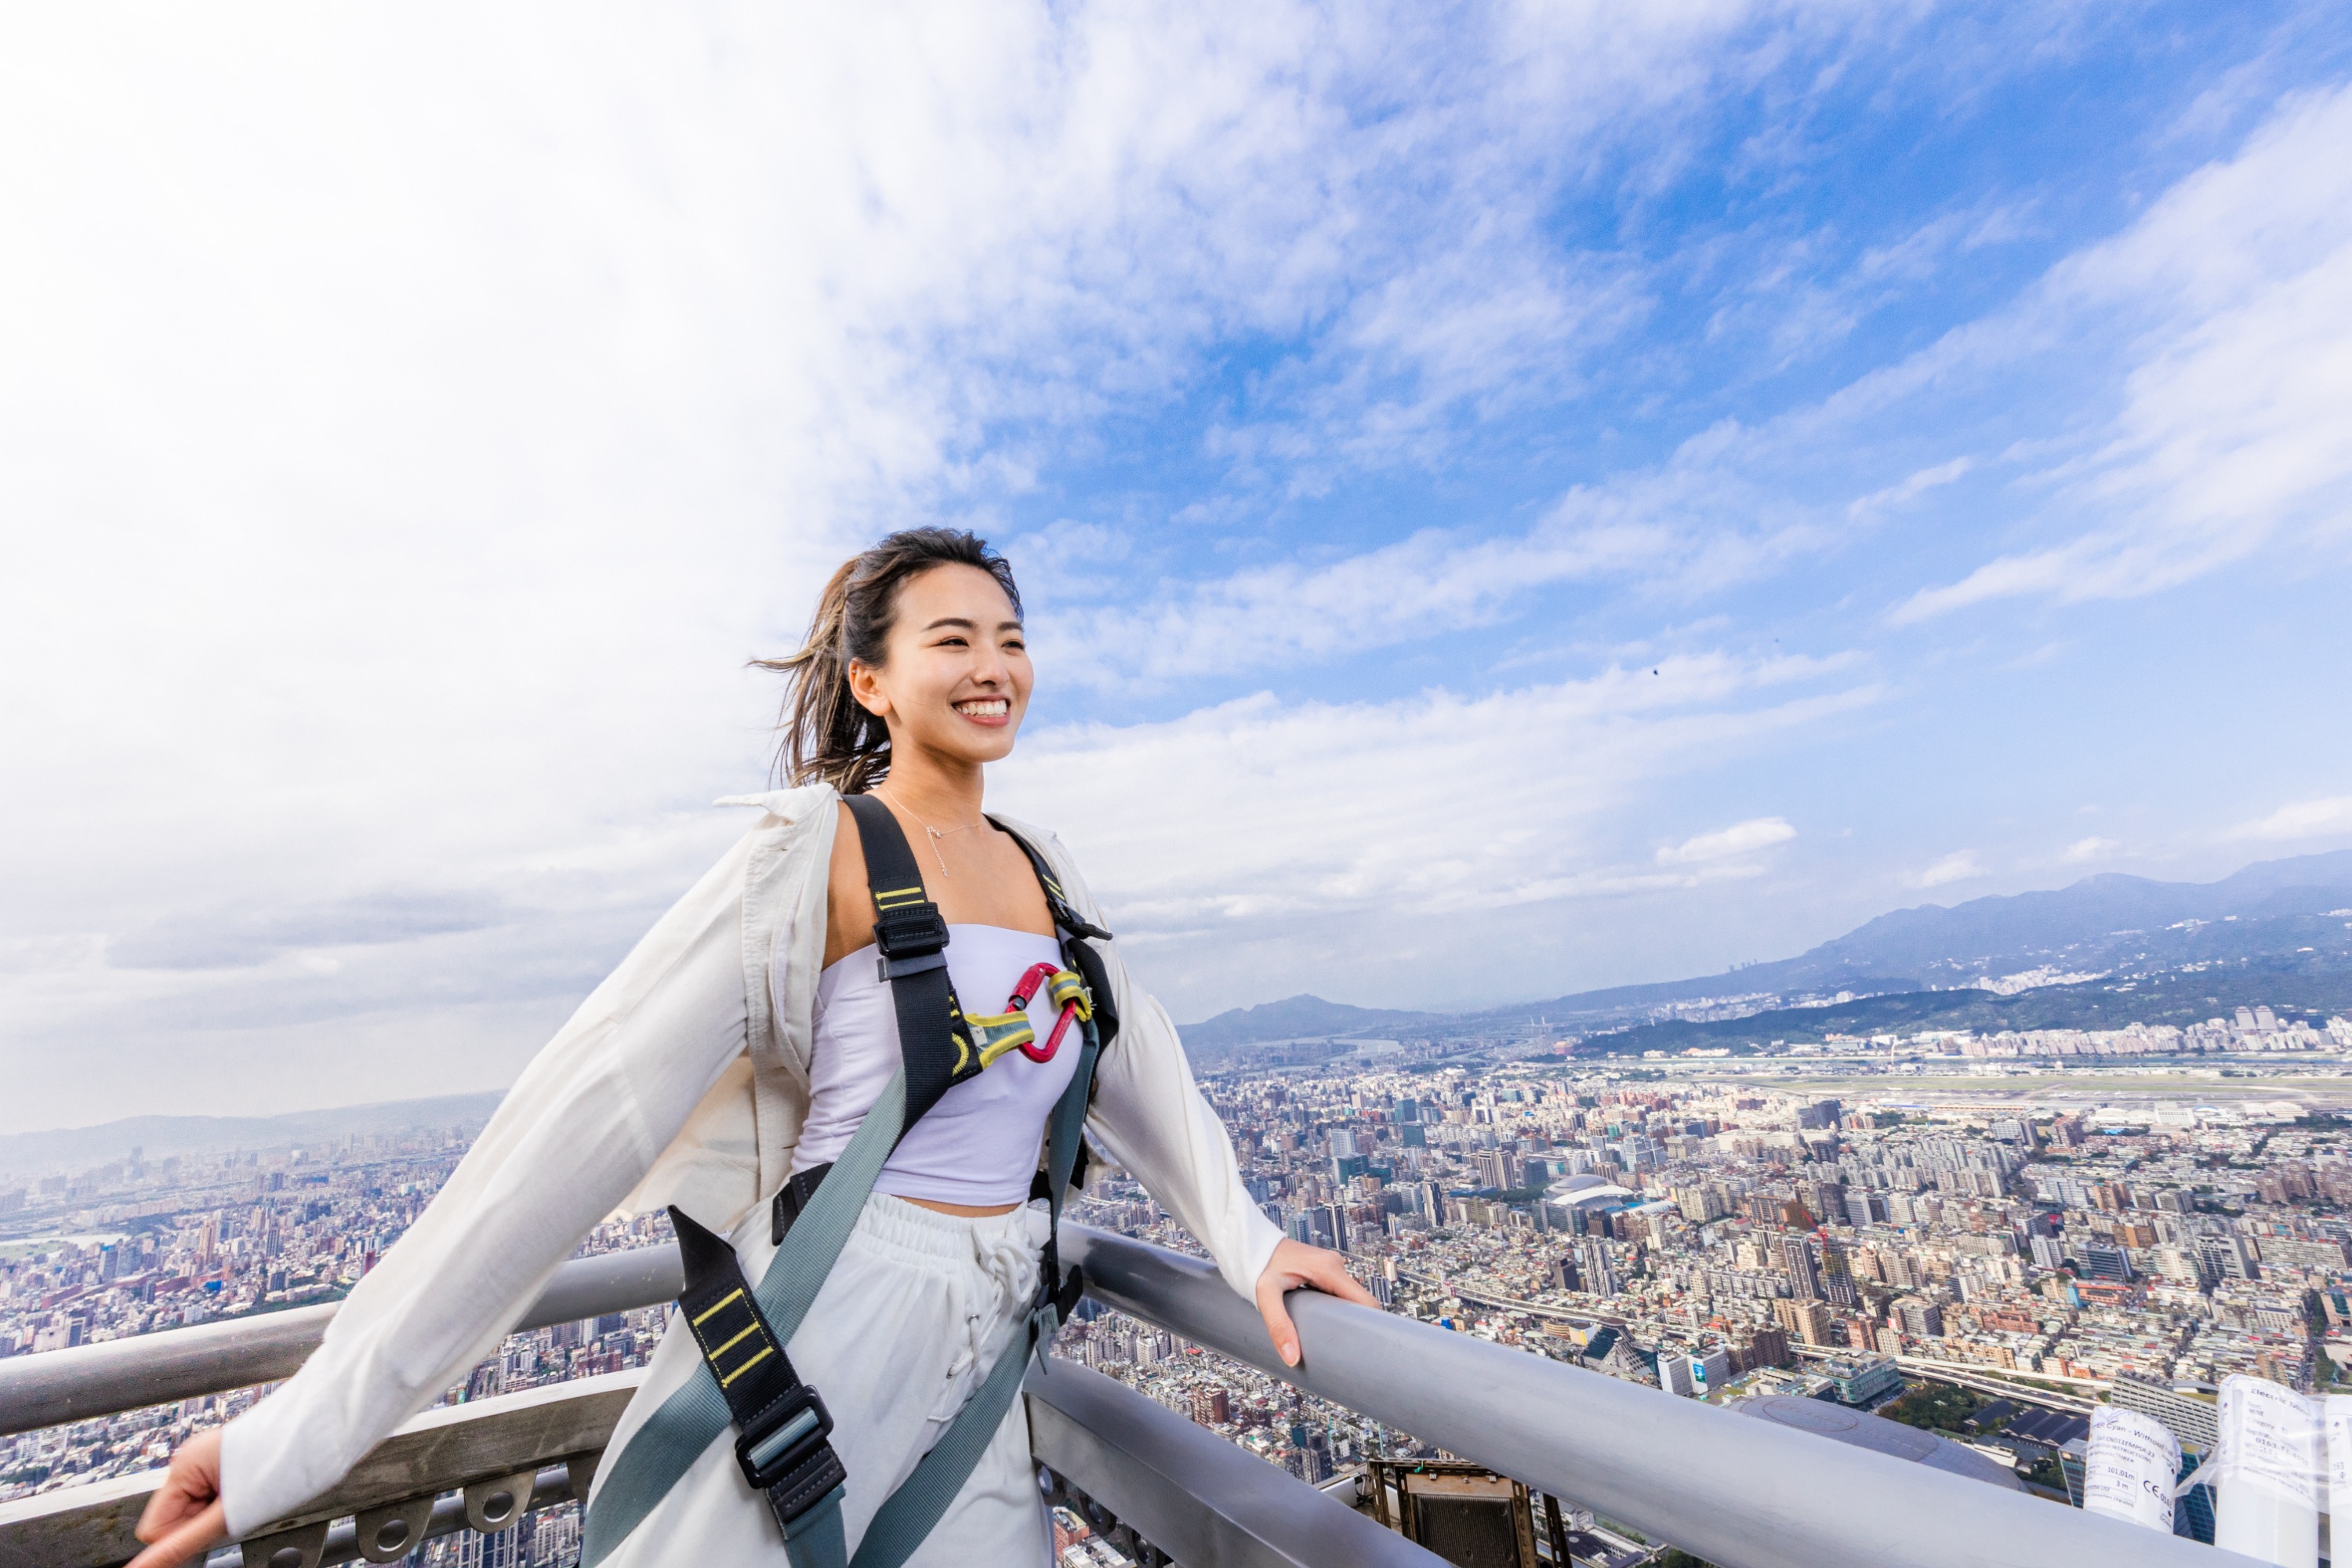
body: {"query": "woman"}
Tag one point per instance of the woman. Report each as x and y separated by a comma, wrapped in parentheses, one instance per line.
(742, 1043)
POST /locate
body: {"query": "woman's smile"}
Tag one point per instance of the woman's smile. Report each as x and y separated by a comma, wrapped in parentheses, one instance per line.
(994, 712)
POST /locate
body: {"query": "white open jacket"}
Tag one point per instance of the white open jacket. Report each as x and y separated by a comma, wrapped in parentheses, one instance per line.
(683, 1079)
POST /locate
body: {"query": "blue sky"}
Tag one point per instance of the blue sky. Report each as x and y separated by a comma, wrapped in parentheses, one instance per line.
(1510, 500)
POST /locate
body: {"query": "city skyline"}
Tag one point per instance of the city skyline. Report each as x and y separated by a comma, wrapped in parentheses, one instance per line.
(1986, 1272)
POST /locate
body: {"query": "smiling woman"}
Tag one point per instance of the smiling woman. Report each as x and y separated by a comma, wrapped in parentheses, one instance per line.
(787, 1063)
(829, 732)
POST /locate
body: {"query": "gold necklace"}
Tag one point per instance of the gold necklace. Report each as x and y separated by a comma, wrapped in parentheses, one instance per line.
(936, 832)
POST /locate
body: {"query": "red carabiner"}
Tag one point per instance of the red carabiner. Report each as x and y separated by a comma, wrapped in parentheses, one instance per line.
(1022, 994)
(1019, 1002)
(1053, 1040)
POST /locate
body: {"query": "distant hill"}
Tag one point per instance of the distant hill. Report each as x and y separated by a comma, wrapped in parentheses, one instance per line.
(2098, 915)
(2103, 924)
(1302, 1017)
(2107, 925)
(2306, 990)
(24, 1154)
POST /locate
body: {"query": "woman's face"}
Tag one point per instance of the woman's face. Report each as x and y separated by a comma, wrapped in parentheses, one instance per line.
(955, 680)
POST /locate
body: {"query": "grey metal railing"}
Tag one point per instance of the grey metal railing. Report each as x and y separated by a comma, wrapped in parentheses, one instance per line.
(1190, 1493)
(1167, 1488)
(1739, 1492)
(58, 1386)
(502, 1457)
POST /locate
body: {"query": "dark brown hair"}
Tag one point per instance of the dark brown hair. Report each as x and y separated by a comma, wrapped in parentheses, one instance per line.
(827, 735)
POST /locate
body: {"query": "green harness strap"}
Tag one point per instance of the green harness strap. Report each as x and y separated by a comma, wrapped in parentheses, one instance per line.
(661, 1451)
(910, 1514)
(690, 1420)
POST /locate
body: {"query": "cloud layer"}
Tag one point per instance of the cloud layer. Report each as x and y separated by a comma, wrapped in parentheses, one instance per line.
(1511, 497)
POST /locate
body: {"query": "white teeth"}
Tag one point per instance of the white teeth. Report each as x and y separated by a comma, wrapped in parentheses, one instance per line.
(985, 707)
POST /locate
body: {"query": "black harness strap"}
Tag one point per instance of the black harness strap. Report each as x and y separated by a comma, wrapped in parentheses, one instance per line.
(913, 939)
(933, 1043)
(782, 1430)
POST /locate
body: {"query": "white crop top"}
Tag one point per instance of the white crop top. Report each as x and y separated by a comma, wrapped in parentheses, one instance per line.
(977, 1146)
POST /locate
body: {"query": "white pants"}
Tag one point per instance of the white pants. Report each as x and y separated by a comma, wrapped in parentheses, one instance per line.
(913, 1317)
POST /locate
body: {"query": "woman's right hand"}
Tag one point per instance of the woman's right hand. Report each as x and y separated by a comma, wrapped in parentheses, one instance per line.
(185, 1515)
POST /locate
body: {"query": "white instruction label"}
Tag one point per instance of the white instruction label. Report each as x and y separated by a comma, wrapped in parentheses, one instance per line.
(2129, 1471)
(2340, 1457)
(2270, 1436)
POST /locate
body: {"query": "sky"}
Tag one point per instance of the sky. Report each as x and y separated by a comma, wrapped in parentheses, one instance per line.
(1508, 499)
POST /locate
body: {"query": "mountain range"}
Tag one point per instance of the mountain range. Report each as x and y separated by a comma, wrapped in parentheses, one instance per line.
(25, 1154)
(2288, 921)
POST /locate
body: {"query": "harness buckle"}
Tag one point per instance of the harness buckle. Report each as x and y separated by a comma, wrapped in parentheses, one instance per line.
(782, 1437)
(792, 1197)
(911, 930)
(1065, 1295)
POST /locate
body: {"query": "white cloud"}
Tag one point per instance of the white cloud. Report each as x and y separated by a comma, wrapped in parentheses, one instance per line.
(2235, 420)
(2323, 818)
(2087, 849)
(2216, 332)
(1961, 865)
(1739, 838)
(1693, 523)
(1434, 582)
(1259, 808)
(408, 426)
(1911, 488)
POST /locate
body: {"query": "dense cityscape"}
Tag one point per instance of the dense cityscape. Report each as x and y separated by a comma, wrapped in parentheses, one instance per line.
(1991, 1262)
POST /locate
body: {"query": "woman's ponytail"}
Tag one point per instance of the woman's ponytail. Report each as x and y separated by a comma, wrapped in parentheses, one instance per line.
(828, 735)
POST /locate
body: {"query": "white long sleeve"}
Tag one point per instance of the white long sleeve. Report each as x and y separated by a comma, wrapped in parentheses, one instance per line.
(674, 1081)
(1152, 1118)
(584, 1122)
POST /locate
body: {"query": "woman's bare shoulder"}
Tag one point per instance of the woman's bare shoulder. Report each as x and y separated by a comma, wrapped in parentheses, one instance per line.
(849, 911)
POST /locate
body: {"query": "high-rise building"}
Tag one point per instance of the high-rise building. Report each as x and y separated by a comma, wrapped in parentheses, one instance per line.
(2228, 1257)
(1863, 1381)
(503, 1548)
(1211, 1407)
(1592, 1262)
(1702, 1203)
(2101, 1260)
(1797, 1259)
(2193, 1421)
(555, 1538)
(1808, 1320)
(1498, 1168)
(1919, 1318)
(1837, 1278)
(1637, 1153)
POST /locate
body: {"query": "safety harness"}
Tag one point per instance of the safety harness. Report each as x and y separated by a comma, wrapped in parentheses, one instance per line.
(782, 1428)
